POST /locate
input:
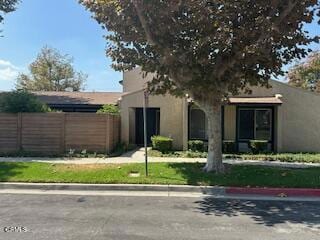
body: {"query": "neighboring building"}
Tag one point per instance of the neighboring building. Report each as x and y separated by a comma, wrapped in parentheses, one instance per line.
(78, 101)
(288, 117)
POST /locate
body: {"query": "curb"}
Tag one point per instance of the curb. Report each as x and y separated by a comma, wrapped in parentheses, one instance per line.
(113, 187)
(280, 192)
(206, 190)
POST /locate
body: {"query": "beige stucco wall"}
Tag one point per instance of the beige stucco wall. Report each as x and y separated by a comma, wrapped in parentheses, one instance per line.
(172, 112)
(297, 127)
(299, 120)
(133, 80)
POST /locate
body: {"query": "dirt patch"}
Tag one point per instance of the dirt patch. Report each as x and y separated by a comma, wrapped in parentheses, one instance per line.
(84, 167)
(134, 174)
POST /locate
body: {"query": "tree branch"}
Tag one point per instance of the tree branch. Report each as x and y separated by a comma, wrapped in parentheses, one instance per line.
(144, 23)
(222, 67)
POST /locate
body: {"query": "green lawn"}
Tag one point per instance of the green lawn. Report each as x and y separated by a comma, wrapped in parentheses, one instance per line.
(160, 173)
(282, 157)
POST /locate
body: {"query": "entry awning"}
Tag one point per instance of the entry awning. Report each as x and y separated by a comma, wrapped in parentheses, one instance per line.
(256, 100)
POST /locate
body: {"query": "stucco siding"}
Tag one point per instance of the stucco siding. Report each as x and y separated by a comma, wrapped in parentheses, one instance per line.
(134, 81)
(300, 120)
(171, 116)
(229, 122)
(297, 120)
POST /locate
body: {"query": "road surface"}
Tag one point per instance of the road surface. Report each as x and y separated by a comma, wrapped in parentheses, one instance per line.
(59, 217)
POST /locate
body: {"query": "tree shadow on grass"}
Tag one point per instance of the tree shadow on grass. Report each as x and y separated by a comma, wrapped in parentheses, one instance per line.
(194, 175)
(9, 170)
(268, 213)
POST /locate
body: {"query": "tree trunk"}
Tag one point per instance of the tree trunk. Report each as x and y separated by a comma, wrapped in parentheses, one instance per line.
(214, 160)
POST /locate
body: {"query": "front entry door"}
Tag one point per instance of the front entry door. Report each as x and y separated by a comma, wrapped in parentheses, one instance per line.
(153, 124)
(255, 124)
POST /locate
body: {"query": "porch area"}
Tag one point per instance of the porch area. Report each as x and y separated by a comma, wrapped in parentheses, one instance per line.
(243, 119)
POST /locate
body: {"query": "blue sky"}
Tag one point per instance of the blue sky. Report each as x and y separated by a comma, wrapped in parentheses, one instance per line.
(67, 26)
(62, 24)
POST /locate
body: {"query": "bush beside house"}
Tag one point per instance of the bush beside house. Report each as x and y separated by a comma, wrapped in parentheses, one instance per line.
(196, 146)
(161, 143)
(229, 146)
(258, 146)
(21, 101)
(109, 108)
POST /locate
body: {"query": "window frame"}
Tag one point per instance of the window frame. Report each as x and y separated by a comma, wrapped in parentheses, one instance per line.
(195, 107)
(255, 109)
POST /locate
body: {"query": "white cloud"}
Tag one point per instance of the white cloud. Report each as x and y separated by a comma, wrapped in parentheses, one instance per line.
(8, 71)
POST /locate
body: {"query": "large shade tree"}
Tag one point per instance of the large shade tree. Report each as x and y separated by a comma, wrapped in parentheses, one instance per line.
(51, 71)
(207, 49)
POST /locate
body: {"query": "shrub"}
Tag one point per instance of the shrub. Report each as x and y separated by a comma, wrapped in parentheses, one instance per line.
(161, 143)
(229, 146)
(109, 108)
(258, 146)
(21, 101)
(196, 145)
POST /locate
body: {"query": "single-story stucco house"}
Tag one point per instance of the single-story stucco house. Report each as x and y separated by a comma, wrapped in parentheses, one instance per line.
(288, 117)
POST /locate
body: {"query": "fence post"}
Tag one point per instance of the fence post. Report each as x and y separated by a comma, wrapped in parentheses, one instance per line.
(19, 131)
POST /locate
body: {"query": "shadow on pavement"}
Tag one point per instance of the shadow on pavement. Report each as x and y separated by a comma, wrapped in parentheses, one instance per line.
(268, 213)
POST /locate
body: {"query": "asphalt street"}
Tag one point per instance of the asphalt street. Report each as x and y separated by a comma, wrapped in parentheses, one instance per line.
(59, 217)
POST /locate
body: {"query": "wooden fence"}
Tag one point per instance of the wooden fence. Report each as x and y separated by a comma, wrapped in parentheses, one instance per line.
(54, 133)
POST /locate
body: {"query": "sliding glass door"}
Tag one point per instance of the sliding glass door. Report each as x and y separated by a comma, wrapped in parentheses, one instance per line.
(254, 124)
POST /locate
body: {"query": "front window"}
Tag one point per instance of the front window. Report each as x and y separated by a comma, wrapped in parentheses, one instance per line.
(255, 124)
(198, 124)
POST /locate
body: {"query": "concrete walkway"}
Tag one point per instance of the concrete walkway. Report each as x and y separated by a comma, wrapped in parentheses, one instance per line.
(137, 156)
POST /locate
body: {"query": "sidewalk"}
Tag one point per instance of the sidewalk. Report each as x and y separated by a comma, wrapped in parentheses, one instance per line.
(137, 156)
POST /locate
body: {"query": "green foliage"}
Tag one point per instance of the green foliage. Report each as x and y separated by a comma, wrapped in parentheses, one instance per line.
(21, 101)
(161, 143)
(281, 157)
(306, 74)
(258, 146)
(51, 71)
(160, 173)
(7, 6)
(207, 49)
(196, 145)
(191, 47)
(110, 109)
(178, 154)
(229, 146)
